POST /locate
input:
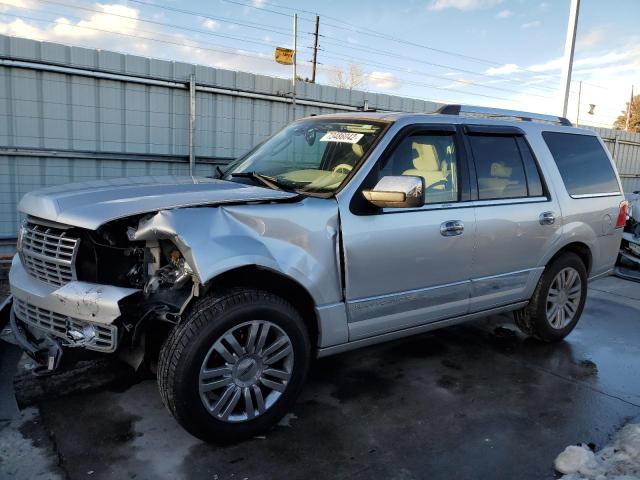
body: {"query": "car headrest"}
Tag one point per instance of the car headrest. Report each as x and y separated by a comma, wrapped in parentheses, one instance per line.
(425, 157)
(499, 170)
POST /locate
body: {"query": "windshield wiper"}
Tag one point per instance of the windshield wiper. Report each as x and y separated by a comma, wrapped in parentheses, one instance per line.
(219, 171)
(270, 182)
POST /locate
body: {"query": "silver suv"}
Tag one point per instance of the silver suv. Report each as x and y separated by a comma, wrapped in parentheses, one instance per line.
(339, 231)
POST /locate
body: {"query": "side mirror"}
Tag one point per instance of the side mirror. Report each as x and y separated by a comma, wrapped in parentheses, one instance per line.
(402, 191)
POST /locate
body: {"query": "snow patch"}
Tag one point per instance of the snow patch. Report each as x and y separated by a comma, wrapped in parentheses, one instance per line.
(618, 461)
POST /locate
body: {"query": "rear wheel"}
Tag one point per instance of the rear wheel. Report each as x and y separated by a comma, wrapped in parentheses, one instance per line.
(558, 300)
(235, 365)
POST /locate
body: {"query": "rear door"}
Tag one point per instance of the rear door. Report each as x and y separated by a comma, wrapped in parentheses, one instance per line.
(517, 220)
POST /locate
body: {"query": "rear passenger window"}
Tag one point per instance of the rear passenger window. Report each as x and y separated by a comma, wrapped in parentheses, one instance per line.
(584, 166)
(499, 167)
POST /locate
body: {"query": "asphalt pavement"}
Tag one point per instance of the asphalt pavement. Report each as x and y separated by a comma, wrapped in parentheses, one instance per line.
(475, 401)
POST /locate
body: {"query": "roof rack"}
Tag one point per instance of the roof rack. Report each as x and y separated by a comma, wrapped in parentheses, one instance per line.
(470, 110)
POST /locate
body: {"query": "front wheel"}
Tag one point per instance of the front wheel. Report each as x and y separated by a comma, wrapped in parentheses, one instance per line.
(235, 365)
(557, 302)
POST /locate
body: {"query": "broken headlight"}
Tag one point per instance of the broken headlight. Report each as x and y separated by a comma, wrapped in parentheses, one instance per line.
(174, 275)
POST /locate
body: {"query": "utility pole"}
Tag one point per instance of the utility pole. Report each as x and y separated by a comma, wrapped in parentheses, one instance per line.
(315, 51)
(628, 123)
(569, 49)
(294, 75)
(578, 112)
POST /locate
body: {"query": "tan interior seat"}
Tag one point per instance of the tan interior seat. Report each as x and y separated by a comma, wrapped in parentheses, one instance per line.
(499, 182)
(427, 165)
(357, 149)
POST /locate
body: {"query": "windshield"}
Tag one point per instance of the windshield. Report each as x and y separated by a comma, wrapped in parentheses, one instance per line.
(310, 155)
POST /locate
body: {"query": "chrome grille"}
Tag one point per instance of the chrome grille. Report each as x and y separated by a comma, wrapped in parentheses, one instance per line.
(48, 253)
(105, 339)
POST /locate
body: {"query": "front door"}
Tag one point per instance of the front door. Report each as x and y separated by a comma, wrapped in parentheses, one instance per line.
(407, 267)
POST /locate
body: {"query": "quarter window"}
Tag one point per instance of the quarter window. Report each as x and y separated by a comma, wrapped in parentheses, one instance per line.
(499, 167)
(534, 183)
(584, 166)
(432, 157)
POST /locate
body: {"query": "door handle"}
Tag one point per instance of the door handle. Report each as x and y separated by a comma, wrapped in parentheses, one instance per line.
(547, 218)
(451, 228)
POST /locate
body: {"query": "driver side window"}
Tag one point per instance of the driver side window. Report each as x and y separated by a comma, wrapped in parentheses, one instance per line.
(432, 157)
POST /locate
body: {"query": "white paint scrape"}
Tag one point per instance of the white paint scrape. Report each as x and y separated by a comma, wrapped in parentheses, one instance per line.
(618, 461)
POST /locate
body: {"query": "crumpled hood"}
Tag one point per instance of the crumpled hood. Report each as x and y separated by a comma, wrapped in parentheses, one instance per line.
(91, 204)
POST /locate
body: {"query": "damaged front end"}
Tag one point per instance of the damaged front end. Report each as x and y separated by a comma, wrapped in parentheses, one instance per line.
(78, 291)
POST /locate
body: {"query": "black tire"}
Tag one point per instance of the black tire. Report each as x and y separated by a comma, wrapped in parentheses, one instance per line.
(532, 319)
(186, 347)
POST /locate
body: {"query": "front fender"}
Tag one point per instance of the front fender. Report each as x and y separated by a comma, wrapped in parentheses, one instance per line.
(297, 240)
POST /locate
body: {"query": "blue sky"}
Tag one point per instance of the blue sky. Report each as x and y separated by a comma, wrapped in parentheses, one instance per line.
(503, 53)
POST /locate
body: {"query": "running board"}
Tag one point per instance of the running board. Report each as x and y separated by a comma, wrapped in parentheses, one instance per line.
(385, 337)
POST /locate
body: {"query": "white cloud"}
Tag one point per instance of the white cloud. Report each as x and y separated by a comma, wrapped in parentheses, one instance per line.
(20, 28)
(607, 79)
(503, 70)
(464, 5)
(210, 24)
(504, 14)
(533, 24)
(461, 83)
(384, 80)
(259, 3)
(112, 20)
(548, 66)
(7, 5)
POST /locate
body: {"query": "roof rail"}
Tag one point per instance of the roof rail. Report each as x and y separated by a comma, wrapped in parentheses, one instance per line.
(471, 110)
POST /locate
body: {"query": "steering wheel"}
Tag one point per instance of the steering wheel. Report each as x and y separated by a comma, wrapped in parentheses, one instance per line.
(437, 184)
(342, 168)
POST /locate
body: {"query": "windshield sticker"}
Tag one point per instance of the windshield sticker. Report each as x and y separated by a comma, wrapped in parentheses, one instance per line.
(342, 137)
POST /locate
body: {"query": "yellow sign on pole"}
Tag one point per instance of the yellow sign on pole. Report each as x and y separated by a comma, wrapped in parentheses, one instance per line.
(284, 56)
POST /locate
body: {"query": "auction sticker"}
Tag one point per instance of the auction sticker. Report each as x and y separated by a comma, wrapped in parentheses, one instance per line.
(342, 137)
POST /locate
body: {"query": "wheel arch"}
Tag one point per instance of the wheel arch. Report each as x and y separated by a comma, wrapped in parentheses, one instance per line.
(579, 248)
(263, 278)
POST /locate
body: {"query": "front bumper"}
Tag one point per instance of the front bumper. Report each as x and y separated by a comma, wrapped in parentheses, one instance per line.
(78, 314)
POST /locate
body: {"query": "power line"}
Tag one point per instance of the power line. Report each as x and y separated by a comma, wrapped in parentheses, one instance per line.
(370, 50)
(255, 41)
(426, 74)
(154, 22)
(257, 7)
(262, 43)
(439, 65)
(375, 33)
(255, 25)
(437, 87)
(256, 55)
(198, 46)
(441, 87)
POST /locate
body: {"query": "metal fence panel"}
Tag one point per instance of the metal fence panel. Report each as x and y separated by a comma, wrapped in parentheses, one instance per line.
(59, 125)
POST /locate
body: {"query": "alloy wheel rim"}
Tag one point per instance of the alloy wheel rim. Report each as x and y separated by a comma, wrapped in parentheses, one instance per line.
(245, 371)
(564, 297)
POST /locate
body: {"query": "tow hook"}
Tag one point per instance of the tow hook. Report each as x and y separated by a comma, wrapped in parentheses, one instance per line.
(47, 356)
(53, 357)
